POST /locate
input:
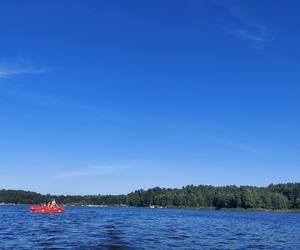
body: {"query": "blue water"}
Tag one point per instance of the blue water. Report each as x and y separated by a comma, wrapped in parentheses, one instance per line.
(145, 228)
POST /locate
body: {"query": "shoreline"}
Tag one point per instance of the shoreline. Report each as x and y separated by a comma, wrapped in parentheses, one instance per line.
(238, 209)
(245, 210)
(295, 211)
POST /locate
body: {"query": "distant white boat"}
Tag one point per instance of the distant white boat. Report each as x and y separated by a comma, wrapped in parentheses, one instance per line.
(8, 204)
(95, 205)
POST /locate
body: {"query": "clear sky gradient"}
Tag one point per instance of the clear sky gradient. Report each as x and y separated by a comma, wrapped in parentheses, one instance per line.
(112, 96)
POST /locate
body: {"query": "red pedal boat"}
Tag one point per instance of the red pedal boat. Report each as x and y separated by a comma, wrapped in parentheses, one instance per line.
(46, 209)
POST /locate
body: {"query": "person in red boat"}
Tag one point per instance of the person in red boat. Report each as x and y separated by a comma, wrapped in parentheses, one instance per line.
(53, 204)
(51, 207)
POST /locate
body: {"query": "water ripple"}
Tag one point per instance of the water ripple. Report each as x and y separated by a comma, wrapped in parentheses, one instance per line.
(143, 228)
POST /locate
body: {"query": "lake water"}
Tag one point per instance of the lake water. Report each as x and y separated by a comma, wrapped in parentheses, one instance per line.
(145, 228)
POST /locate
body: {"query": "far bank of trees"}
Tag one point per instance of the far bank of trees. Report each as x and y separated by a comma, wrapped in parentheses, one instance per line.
(283, 196)
(280, 196)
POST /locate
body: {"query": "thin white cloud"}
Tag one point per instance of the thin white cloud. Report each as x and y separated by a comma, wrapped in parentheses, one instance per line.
(246, 28)
(257, 40)
(92, 171)
(259, 37)
(12, 69)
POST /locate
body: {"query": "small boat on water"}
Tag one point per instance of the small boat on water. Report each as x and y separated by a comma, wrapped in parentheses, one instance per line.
(47, 209)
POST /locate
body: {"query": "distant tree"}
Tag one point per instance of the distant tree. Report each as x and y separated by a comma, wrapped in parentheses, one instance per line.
(279, 201)
(248, 197)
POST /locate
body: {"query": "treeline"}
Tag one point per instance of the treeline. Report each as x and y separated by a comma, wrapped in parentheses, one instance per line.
(280, 196)
(27, 197)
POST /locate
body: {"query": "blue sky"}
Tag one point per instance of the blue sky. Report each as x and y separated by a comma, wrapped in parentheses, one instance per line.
(113, 96)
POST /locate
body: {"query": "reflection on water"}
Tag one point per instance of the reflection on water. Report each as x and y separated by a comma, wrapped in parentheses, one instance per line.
(143, 228)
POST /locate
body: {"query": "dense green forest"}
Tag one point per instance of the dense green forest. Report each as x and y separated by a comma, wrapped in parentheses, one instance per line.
(279, 196)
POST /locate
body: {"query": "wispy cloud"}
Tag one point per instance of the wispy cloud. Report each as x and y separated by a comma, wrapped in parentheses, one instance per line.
(20, 68)
(248, 28)
(92, 171)
(257, 36)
